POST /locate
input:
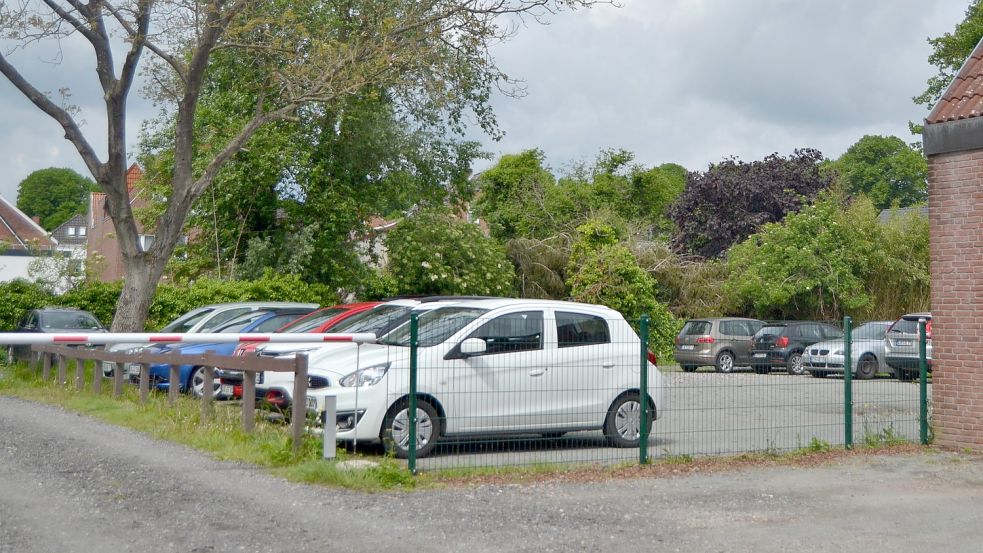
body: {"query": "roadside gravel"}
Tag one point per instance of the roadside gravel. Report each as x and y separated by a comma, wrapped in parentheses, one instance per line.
(69, 483)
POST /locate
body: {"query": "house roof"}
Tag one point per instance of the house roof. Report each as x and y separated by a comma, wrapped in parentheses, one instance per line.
(75, 237)
(887, 214)
(19, 231)
(964, 97)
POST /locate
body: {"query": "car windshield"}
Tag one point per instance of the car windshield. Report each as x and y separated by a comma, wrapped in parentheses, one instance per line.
(188, 320)
(871, 331)
(435, 326)
(314, 320)
(69, 320)
(378, 320)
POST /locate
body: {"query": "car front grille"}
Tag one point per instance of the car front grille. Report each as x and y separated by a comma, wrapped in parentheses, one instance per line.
(816, 351)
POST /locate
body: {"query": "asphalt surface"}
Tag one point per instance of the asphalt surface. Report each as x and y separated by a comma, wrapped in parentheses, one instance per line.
(69, 483)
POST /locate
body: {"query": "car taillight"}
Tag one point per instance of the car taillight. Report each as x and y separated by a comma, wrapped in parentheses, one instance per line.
(704, 340)
(237, 391)
(652, 358)
(928, 329)
(781, 342)
(678, 339)
(275, 397)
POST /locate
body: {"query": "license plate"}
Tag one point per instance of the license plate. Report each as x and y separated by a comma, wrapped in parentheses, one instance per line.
(311, 403)
(133, 370)
(226, 390)
(686, 347)
(759, 355)
(903, 342)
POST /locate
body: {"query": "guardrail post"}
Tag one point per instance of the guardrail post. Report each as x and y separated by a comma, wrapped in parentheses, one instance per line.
(97, 376)
(414, 349)
(79, 374)
(118, 379)
(207, 393)
(32, 360)
(643, 428)
(45, 366)
(922, 382)
(298, 416)
(62, 371)
(847, 382)
(144, 381)
(173, 384)
(248, 401)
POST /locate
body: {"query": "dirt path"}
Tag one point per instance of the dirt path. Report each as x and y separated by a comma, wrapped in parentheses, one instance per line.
(68, 483)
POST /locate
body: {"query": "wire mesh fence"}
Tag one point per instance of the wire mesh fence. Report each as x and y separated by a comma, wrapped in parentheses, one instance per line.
(542, 387)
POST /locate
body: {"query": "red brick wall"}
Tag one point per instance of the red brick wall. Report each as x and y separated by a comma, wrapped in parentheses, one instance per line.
(956, 231)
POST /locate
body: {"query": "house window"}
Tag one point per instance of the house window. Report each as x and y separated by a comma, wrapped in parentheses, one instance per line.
(145, 241)
(71, 231)
(81, 231)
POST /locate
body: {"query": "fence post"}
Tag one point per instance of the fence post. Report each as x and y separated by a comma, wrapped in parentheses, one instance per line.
(62, 370)
(173, 384)
(248, 401)
(144, 381)
(848, 382)
(97, 376)
(32, 360)
(118, 369)
(298, 416)
(207, 391)
(922, 382)
(79, 374)
(45, 366)
(643, 428)
(414, 344)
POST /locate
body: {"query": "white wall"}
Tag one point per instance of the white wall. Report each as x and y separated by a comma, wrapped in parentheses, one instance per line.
(14, 266)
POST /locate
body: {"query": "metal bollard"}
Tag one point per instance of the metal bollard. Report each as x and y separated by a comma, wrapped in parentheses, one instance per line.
(330, 427)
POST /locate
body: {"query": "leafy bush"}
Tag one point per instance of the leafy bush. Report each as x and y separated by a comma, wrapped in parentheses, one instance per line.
(18, 296)
(432, 252)
(96, 297)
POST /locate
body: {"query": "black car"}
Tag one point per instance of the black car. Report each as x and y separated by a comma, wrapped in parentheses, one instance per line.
(780, 345)
(53, 320)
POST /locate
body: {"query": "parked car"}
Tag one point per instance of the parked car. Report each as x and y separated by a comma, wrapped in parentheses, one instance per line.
(203, 319)
(901, 345)
(498, 366)
(723, 343)
(53, 320)
(192, 377)
(866, 353)
(780, 345)
(316, 322)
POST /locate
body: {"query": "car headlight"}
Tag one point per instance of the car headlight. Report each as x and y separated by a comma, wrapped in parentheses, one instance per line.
(369, 376)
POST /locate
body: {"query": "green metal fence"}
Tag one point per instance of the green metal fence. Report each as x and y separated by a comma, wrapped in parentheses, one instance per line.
(556, 389)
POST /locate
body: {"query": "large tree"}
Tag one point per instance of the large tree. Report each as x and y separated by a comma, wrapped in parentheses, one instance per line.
(305, 54)
(732, 199)
(54, 194)
(886, 169)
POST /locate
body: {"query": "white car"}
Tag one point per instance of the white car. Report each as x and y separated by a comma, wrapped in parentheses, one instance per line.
(498, 366)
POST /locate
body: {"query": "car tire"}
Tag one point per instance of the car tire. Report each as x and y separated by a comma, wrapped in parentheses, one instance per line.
(818, 374)
(688, 368)
(196, 383)
(395, 428)
(794, 364)
(866, 367)
(724, 362)
(762, 369)
(622, 425)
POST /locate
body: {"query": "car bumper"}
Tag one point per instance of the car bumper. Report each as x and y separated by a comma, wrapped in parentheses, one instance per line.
(905, 362)
(689, 357)
(369, 405)
(770, 358)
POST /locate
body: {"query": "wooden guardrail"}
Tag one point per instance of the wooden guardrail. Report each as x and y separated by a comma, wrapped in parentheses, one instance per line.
(59, 356)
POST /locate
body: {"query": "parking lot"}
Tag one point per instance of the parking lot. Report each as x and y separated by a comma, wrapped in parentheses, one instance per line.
(708, 413)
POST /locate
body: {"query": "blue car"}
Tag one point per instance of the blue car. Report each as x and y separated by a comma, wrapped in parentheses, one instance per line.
(192, 377)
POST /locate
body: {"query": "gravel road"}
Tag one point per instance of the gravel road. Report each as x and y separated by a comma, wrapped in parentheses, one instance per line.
(68, 483)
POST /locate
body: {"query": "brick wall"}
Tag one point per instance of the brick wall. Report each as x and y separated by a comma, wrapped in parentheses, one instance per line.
(956, 231)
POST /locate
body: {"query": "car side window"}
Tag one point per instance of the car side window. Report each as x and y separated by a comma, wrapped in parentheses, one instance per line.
(580, 329)
(832, 332)
(730, 328)
(512, 333)
(811, 333)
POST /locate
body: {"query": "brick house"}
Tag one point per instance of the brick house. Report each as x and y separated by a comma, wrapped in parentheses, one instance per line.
(102, 245)
(22, 240)
(953, 142)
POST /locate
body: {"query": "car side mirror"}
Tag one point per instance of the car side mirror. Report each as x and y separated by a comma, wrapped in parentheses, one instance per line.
(473, 346)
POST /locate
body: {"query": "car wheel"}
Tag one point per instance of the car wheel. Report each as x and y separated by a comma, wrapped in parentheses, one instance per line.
(818, 374)
(794, 364)
(866, 367)
(761, 369)
(725, 362)
(623, 423)
(196, 383)
(396, 429)
(688, 368)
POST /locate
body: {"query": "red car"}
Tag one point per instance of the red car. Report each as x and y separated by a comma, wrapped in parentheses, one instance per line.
(319, 321)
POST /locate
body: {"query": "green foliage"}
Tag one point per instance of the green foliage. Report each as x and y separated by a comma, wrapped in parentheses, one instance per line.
(691, 286)
(949, 51)
(604, 271)
(433, 252)
(96, 297)
(18, 297)
(814, 263)
(55, 195)
(902, 281)
(888, 171)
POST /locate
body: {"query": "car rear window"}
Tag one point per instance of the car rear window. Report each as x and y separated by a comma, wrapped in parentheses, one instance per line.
(907, 325)
(771, 330)
(696, 328)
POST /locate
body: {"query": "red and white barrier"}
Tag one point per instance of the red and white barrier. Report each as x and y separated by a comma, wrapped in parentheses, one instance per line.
(106, 338)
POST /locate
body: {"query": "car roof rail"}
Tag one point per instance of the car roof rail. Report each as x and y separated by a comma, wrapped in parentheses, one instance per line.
(426, 299)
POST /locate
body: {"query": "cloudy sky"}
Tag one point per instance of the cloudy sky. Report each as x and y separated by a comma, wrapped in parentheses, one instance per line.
(684, 81)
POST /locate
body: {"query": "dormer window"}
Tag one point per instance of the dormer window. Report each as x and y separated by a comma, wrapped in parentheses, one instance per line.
(81, 231)
(71, 231)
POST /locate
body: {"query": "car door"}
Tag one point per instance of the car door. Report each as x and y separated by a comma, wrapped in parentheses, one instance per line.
(735, 337)
(505, 388)
(586, 370)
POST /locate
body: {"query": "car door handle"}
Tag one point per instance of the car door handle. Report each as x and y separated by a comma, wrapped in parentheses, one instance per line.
(608, 365)
(537, 372)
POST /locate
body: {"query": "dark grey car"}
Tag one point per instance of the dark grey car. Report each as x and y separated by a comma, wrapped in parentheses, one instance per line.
(723, 343)
(53, 320)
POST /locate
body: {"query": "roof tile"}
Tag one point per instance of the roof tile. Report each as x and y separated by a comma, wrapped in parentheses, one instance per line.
(964, 97)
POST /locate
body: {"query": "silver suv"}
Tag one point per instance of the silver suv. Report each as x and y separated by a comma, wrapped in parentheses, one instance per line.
(722, 343)
(901, 345)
